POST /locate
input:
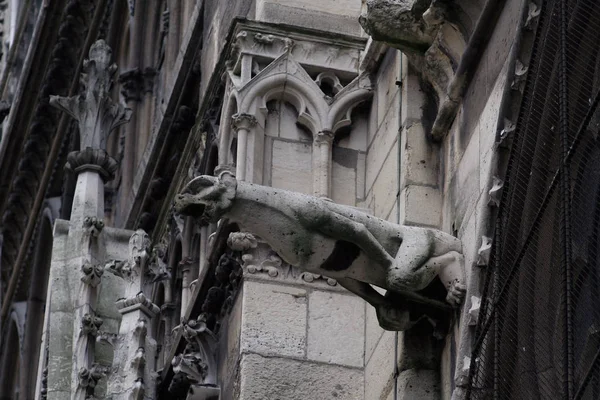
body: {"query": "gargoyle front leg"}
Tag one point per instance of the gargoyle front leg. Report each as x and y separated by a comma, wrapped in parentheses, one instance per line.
(342, 228)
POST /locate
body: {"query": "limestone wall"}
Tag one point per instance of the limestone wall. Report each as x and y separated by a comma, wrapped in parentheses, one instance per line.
(381, 183)
(292, 339)
(468, 167)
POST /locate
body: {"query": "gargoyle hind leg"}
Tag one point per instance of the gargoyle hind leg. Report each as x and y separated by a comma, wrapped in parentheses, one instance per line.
(340, 227)
(416, 264)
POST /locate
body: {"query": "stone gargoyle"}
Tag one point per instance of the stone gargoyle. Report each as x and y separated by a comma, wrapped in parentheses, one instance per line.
(341, 242)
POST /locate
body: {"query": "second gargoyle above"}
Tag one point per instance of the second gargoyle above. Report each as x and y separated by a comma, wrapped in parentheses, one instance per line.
(341, 242)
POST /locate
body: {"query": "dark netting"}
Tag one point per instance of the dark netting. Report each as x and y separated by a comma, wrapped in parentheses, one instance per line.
(538, 335)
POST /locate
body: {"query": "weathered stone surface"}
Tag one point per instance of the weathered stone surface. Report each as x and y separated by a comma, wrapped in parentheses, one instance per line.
(378, 152)
(339, 17)
(229, 346)
(343, 181)
(281, 378)
(382, 195)
(357, 139)
(465, 187)
(274, 320)
(386, 89)
(60, 361)
(420, 165)
(373, 331)
(335, 329)
(291, 168)
(420, 205)
(416, 384)
(379, 370)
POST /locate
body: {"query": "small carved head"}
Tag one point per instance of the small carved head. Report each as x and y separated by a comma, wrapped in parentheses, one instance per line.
(207, 197)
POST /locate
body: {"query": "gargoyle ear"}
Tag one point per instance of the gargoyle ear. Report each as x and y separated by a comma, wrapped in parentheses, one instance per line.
(227, 178)
(200, 183)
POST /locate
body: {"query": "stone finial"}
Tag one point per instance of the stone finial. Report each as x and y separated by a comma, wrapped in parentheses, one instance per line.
(139, 248)
(197, 362)
(94, 109)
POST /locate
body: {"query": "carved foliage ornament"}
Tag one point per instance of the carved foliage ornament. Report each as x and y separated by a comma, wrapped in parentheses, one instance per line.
(90, 324)
(94, 109)
(92, 274)
(197, 363)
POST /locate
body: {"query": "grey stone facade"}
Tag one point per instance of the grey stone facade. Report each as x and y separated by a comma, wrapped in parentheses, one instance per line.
(108, 291)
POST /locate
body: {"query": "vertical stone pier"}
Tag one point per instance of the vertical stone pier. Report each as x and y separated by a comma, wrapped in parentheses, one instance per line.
(291, 335)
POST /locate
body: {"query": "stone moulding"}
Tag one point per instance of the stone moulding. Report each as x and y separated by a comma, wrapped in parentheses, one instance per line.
(140, 302)
(259, 259)
(340, 242)
(92, 160)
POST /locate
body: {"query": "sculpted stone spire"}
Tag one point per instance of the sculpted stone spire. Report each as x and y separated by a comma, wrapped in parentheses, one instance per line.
(95, 111)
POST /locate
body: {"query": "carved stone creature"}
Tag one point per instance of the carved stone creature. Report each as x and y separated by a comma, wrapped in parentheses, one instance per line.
(337, 241)
(409, 24)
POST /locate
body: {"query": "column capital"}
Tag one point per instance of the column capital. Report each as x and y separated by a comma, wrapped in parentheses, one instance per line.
(92, 160)
(324, 136)
(243, 121)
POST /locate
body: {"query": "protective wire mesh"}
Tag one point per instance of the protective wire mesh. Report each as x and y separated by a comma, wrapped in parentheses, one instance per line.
(538, 335)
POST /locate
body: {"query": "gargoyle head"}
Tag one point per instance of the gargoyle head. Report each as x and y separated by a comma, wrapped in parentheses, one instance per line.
(207, 197)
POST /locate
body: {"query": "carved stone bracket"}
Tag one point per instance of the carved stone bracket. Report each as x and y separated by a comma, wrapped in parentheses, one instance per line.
(139, 302)
(258, 258)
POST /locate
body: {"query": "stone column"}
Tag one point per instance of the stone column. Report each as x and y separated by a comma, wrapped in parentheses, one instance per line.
(134, 348)
(242, 123)
(84, 247)
(323, 142)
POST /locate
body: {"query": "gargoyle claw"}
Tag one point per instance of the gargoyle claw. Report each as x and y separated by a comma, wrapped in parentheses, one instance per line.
(456, 293)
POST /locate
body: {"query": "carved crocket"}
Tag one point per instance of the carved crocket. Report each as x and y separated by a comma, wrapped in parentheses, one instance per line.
(341, 242)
